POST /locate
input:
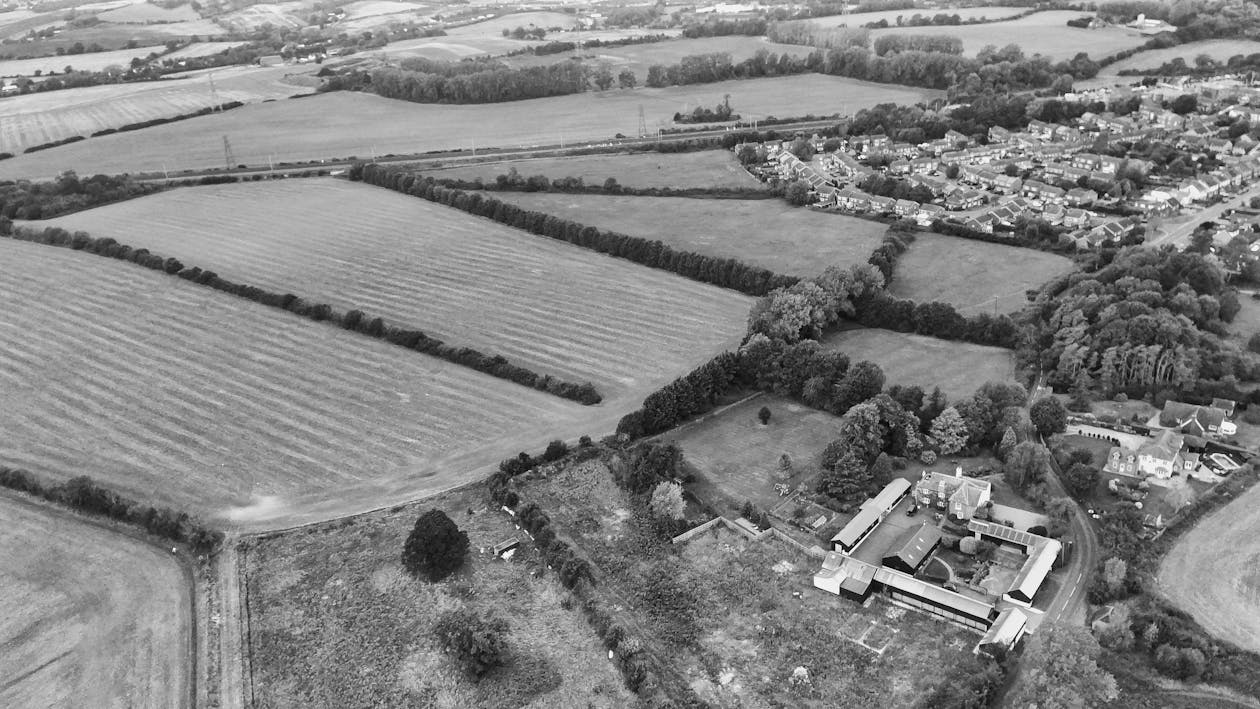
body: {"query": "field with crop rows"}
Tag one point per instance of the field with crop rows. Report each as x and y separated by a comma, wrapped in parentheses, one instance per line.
(95, 61)
(354, 124)
(958, 368)
(202, 49)
(764, 232)
(1219, 49)
(541, 303)
(178, 393)
(451, 49)
(857, 19)
(974, 276)
(1044, 33)
(495, 27)
(35, 119)
(638, 57)
(91, 617)
(705, 168)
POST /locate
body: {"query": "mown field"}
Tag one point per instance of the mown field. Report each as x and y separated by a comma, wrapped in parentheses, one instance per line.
(36, 119)
(184, 395)
(541, 303)
(857, 19)
(1044, 33)
(705, 168)
(91, 617)
(638, 57)
(495, 27)
(354, 124)
(958, 368)
(974, 276)
(768, 233)
(95, 61)
(1218, 49)
(336, 621)
(448, 49)
(202, 49)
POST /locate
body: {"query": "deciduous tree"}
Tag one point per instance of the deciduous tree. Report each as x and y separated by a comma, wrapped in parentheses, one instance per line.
(1062, 670)
(436, 547)
(667, 500)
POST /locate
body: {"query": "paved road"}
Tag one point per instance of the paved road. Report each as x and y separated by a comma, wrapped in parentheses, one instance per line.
(1179, 234)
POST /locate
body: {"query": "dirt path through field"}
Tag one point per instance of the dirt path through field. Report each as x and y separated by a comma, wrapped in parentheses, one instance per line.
(1213, 572)
(232, 618)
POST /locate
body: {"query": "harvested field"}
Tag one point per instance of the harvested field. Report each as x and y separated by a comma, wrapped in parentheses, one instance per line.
(280, 15)
(974, 276)
(706, 168)
(1213, 572)
(450, 49)
(175, 393)
(95, 61)
(336, 621)
(354, 124)
(144, 13)
(541, 303)
(35, 119)
(958, 368)
(203, 49)
(1044, 33)
(638, 57)
(1219, 49)
(857, 19)
(495, 27)
(91, 617)
(764, 232)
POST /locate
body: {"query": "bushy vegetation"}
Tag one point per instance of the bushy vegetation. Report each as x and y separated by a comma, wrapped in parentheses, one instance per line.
(436, 547)
(477, 643)
(68, 193)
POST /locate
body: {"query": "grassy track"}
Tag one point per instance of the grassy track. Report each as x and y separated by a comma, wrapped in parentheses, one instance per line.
(974, 276)
(1044, 33)
(91, 617)
(706, 168)
(346, 124)
(767, 233)
(958, 368)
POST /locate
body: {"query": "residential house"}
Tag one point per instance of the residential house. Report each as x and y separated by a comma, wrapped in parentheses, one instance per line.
(983, 222)
(1202, 421)
(964, 199)
(1008, 184)
(1087, 161)
(1041, 129)
(956, 138)
(1040, 190)
(959, 496)
(851, 199)
(1110, 230)
(906, 208)
(998, 134)
(929, 213)
(1220, 146)
(923, 166)
(1081, 197)
(881, 205)
(1161, 456)
(1225, 405)
(1075, 218)
(899, 167)
(1053, 214)
(937, 185)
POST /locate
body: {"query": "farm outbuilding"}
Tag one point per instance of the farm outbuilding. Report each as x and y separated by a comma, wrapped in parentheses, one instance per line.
(871, 514)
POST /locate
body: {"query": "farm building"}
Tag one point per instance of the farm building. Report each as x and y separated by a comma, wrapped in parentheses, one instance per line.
(872, 512)
(1005, 632)
(1033, 573)
(845, 576)
(959, 495)
(915, 550)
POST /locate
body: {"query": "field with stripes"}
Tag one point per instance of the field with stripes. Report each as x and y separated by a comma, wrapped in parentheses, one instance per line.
(547, 305)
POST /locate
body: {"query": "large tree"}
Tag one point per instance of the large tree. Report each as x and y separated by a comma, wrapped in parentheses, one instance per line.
(861, 382)
(949, 431)
(1048, 415)
(436, 547)
(1061, 670)
(667, 500)
(1027, 465)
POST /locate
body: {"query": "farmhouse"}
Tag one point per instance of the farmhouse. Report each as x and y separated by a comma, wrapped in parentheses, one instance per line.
(1160, 457)
(959, 495)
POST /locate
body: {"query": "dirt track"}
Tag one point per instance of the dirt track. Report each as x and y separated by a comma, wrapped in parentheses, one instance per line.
(1213, 572)
(91, 618)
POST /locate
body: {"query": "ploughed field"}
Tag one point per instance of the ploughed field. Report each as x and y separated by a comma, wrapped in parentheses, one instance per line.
(762, 232)
(704, 168)
(91, 618)
(544, 304)
(177, 393)
(958, 368)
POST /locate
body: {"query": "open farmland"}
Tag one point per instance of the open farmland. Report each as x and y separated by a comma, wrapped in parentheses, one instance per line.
(764, 232)
(344, 124)
(1222, 548)
(495, 27)
(973, 276)
(95, 61)
(141, 13)
(958, 368)
(180, 394)
(280, 15)
(91, 617)
(705, 168)
(202, 49)
(1219, 49)
(35, 119)
(1044, 33)
(857, 19)
(544, 304)
(450, 49)
(638, 57)
(336, 622)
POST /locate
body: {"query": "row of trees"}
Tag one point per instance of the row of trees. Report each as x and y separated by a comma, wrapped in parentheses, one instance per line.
(893, 43)
(513, 181)
(727, 273)
(353, 320)
(487, 85)
(68, 193)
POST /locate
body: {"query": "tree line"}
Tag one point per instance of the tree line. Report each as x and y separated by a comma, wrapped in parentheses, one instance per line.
(486, 85)
(513, 181)
(353, 320)
(68, 193)
(85, 495)
(726, 273)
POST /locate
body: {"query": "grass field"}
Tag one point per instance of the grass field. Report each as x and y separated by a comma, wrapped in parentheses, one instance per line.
(279, 15)
(1222, 548)
(958, 368)
(768, 233)
(638, 57)
(91, 617)
(449, 49)
(346, 124)
(145, 13)
(95, 61)
(1044, 33)
(1247, 322)
(857, 19)
(495, 27)
(1218, 49)
(541, 303)
(974, 276)
(202, 49)
(178, 393)
(737, 458)
(335, 621)
(706, 168)
(35, 119)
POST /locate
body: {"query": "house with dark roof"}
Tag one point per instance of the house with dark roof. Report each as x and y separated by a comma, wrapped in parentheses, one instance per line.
(914, 550)
(1193, 420)
(958, 495)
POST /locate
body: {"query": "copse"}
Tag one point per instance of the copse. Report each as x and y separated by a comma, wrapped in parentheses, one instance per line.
(436, 547)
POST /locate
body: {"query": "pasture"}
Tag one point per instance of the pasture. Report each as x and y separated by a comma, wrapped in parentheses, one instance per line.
(857, 19)
(281, 15)
(354, 124)
(544, 304)
(35, 119)
(91, 617)
(449, 49)
(1218, 49)
(494, 27)
(973, 276)
(958, 368)
(142, 13)
(202, 49)
(174, 393)
(1044, 33)
(765, 232)
(336, 621)
(95, 61)
(638, 57)
(705, 168)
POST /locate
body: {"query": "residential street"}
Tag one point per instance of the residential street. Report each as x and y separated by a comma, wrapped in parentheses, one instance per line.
(1179, 234)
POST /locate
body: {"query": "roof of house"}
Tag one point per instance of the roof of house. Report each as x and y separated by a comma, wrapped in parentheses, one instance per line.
(933, 594)
(870, 512)
(918, 544)
(1034, 571)
(1225, 405)
(1190, 418)
(1164, 446)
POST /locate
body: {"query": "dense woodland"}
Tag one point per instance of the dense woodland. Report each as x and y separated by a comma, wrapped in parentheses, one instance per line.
(68, 193)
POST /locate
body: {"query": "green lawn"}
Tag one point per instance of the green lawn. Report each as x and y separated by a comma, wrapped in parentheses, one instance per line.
(958, 368)
(705, 168)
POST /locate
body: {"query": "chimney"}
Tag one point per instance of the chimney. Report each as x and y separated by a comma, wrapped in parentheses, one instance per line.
(958, 472)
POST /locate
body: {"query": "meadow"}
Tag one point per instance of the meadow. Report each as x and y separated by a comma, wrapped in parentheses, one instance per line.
(973, 276)
(35, 119)
(202, 49)
(342, 124)
(638, 57)
(704, 168)
(763, 232)
(1044, 33)
(448, 49)
(280, 15)
(178, 394)
(336, 621)
(543, 304)
(1218, 49)
(95, 61)
(857, 19)
(958, 368)
(91, 617)
(144, 13)
(494, 27)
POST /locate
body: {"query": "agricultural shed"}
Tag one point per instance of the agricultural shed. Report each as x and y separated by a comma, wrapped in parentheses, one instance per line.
(916, 549)
(871, 514)
(1034, 571)
(1005, 631)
